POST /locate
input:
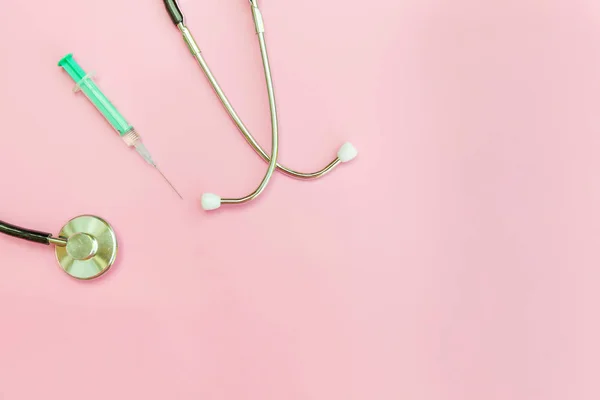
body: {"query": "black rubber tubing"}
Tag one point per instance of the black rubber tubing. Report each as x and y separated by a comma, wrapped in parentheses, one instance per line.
(26, 234)
(174, 11)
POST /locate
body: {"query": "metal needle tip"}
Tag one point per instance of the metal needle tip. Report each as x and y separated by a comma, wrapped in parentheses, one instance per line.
(170, 184)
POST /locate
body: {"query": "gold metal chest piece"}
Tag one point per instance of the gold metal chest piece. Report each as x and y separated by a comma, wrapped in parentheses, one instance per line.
(91, 247)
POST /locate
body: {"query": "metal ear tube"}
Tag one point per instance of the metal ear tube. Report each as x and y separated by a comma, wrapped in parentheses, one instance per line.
(346, 153)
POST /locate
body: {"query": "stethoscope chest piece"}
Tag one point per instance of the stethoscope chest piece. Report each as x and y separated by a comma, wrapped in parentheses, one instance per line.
(91, 247)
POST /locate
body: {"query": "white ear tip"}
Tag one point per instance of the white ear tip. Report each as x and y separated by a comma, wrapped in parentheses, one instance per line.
(210, 201)
(347, 152)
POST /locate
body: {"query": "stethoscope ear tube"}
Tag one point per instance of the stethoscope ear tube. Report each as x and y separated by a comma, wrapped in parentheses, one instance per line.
(26, 234)
(212, 201)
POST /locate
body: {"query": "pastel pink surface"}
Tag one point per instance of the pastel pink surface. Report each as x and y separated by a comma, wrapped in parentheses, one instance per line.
(456, 258)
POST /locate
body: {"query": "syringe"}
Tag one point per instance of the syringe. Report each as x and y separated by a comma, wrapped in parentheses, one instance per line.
(85, 83)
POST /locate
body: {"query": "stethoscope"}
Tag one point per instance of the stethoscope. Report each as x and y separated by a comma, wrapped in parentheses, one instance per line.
(212, 201)
(86, 247)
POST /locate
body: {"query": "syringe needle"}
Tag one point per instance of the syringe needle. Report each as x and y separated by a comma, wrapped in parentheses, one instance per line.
(170, 184)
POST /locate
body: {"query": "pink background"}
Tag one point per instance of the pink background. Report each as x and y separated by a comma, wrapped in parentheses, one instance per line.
(456, 258)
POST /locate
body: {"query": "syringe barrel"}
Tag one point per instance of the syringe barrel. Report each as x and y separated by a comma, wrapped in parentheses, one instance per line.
(86, 84)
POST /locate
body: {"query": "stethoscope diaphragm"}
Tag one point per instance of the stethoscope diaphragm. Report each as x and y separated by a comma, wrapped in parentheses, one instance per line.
(91, 247)
(85, 248)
